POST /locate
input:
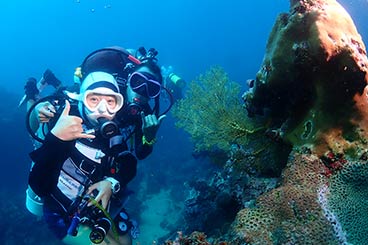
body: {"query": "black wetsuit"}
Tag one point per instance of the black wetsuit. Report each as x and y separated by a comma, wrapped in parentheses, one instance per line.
(57, 162)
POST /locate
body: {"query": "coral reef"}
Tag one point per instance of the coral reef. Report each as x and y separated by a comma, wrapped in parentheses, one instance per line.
(195, 238)
(261, 157)
(213, 115)
(210, 206)
(291, 213)
(312, 87)
(312, 81)
(311, 93)
(347, 200)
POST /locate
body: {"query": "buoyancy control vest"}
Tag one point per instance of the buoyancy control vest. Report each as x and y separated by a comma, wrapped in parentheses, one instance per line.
(85, 166)
(89, 162)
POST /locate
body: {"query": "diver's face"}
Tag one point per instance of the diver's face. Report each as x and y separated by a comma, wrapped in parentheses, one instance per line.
(100, 106)
(101, 103)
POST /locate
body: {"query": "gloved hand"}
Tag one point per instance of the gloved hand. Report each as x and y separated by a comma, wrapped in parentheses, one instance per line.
(51, 79)
(30, 89)
(150, 125)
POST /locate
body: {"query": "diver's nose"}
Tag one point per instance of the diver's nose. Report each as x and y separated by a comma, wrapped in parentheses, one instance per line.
(102, 106)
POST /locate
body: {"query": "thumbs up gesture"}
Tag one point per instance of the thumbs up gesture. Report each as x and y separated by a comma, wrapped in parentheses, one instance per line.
(69, 127)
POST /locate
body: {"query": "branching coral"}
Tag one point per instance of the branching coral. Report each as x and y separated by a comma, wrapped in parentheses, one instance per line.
(212, 112)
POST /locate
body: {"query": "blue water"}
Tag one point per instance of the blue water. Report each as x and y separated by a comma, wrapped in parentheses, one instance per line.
(190, 35)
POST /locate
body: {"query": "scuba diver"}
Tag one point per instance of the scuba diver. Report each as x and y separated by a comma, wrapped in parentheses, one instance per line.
(33, 88)
(174, 83)
(140, 80)
(139, 119)
(82, 167)
(133, 127)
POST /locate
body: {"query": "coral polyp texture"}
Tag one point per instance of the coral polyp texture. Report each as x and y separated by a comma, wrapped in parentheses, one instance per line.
(291, 213)
(347, 200)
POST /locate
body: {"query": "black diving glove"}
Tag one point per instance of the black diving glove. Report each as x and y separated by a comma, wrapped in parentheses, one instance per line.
(30, 89)
(51, 79)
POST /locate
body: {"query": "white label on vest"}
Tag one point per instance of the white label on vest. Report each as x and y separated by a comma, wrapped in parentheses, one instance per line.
(69, 186)
(88, 152)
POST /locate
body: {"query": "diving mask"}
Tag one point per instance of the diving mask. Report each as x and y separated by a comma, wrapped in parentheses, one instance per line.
(144, 84)
(99, 97)
(102, 102)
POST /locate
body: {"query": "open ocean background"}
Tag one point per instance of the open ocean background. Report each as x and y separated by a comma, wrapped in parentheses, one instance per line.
(190, 35)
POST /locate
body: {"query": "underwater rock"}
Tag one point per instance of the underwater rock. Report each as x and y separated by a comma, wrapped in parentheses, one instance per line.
(210, 206)
(312, 83)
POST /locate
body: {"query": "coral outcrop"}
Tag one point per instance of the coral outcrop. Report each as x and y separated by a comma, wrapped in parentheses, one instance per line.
(312, 83)
(313, 88)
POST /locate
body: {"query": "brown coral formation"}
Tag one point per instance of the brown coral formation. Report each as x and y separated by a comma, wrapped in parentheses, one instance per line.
(312, 87)
(313, 78)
